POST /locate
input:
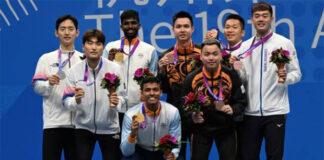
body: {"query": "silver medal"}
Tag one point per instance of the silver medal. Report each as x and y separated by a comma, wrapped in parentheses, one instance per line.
(61, 75)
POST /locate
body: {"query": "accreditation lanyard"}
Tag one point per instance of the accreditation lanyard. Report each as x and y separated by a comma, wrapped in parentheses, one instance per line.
(86, 73)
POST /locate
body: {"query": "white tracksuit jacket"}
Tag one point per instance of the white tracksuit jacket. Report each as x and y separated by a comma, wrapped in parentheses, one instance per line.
(54, 115)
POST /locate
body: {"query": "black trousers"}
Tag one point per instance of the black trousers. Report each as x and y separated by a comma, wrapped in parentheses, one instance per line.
(254, 129)
(85, 142)
(185, 135)
(225, 143)
(55, 140)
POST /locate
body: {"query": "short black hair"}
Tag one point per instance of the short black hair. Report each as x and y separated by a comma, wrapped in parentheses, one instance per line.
(129, 14)
(93, 33)
(150, 79)
(237, 17)
(262, 6)
(65, 17)
(208, 42)
(182, 14)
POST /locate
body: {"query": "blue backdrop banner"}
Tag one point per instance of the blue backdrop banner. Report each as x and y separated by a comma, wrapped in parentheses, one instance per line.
(27, 30)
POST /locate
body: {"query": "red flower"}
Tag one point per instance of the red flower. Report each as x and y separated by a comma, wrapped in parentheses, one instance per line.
(146, 70)
(110, 77)
(165, 138)
(197, 56)
(191, 97)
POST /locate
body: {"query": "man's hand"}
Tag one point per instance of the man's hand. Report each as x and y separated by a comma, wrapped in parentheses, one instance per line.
(112, 52)
(134, 127)
(113, 99)
(168, 155)
(79, 94)
(282, 74)
(226, 109)
(54, 80)
(163, 62)
(197, 117)
(212, 34)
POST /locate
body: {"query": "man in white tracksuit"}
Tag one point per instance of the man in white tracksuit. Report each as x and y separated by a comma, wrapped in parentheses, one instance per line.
(265, 115)
(136, 54)
(58, 133)
(161, 118)
(96, 119)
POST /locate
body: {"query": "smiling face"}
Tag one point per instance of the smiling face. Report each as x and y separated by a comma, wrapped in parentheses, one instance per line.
(262, 22)
(183, 29)
(233, 31)
(211, 57)
(130, 27)
(151, 93)
(67, 32)
(93, 49)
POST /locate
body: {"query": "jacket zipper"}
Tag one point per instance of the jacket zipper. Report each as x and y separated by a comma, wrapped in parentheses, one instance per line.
(153, 130)
(261, 77)
(127, 74)
(95, 101)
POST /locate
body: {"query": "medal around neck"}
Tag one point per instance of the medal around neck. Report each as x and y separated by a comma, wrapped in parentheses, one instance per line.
(119, 57)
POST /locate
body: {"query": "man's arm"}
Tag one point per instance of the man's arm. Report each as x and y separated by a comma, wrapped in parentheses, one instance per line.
(128, 140)
(293, 70)
(40, 80)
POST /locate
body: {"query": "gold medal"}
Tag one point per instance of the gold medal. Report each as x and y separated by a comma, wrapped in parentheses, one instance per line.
(140, 117)
(119, 57)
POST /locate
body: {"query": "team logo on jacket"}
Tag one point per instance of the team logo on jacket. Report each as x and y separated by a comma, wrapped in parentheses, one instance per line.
(140, 55)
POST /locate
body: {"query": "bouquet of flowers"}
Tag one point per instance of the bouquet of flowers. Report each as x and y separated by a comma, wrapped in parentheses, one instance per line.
(195, 61)
(280, 57)
(194, 101)
(111, 82)
(140, 74)
(167, 142)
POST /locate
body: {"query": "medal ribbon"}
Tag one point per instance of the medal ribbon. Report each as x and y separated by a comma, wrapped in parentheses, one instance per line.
(122, 45)
(143, 125)
(220, 97)
(253, 46)
(86, 73)
(61, 65)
